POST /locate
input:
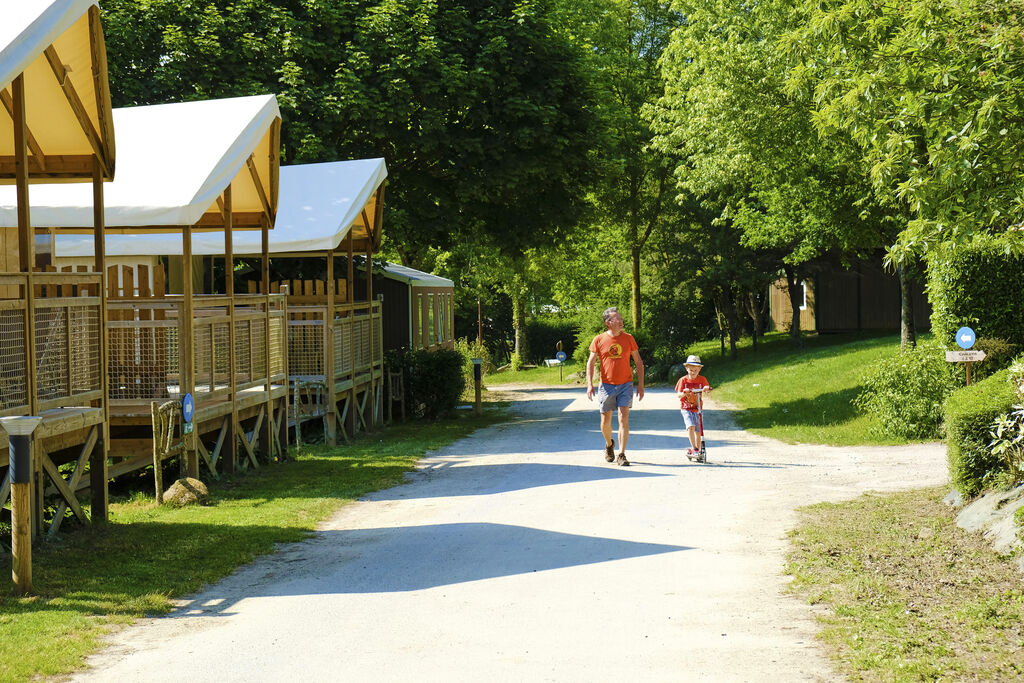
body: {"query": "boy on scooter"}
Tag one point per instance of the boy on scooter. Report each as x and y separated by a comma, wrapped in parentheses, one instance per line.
(688, 401)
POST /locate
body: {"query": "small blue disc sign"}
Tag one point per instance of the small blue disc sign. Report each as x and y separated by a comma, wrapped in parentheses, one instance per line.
(560, 356)
(188, 408)
(965, 337)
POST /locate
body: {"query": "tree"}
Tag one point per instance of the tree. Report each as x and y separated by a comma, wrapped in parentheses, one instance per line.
(750, 144)
(481, 109)
(634, 195)
(931, 92)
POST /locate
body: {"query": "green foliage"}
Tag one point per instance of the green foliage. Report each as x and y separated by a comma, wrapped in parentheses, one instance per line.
(542, 333)
(999, 354)
(971, 284)
(469, 350)
(905, 392)
(969, 414)
(483, 110)
(434, 380)
(585, 336)
(1007, 435)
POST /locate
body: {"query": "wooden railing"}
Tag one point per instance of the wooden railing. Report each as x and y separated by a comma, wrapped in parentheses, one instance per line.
(146, 357)
(66, 342)
(353, 353)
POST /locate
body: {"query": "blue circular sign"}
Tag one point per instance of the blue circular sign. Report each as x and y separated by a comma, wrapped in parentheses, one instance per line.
(188, 407)
(965, 338)
(560, 356)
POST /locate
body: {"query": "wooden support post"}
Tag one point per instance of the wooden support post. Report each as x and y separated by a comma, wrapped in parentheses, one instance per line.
(266, 434)
(331, 418)
(98, 459)
(186, 343)
(26, 239)
(370, 420)
(228, 455)
(22, 465)
(350, 414)
(282, 438)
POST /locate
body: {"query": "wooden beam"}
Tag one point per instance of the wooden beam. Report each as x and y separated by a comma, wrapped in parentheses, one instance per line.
(255, 174)
(101, 86)
(58, 166)
(99, 475)
(378, 219)
(33, 145)
(61, 74)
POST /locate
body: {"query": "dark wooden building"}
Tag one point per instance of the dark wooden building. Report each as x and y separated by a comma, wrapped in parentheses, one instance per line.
(863, 297)
(418, 308)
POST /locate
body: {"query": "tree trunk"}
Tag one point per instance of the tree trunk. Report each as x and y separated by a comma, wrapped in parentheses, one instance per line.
(727, 303)
(636, 288)
(908, 331)
(519, 325)
(795, 300)
(754, 308)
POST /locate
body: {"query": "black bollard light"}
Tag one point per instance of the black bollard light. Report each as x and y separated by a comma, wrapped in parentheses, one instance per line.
(19, 434)
(477, 377)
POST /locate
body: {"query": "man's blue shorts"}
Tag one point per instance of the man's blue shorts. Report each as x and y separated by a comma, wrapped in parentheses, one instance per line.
(610, 396)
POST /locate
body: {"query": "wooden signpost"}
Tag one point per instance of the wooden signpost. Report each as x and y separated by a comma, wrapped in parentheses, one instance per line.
(965, 339)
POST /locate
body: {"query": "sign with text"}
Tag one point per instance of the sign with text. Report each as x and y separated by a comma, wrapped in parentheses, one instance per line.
(964, 356)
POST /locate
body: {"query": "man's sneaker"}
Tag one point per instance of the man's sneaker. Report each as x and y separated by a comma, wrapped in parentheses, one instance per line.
(609, 451)
(621, 460)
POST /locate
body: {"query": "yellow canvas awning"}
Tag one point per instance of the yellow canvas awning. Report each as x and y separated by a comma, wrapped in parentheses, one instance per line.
(58, 46)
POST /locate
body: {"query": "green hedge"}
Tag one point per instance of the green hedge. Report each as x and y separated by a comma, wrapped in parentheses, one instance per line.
(969, 413)
(434, 380)
(543, 333)
(977, 284)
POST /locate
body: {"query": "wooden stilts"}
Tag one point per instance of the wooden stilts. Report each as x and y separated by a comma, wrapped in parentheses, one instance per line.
(228, 455)
(331, 434)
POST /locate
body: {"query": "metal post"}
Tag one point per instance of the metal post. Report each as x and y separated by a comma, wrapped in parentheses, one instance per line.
(477, 377)
(19, 433)
(479, 323)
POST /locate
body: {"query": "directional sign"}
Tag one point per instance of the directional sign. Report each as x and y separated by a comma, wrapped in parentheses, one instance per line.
(964, 356)
(188, 408)
(965, 338)
(560, 356)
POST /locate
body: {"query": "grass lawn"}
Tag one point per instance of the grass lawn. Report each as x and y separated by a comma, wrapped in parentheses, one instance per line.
(94, 578)
(911, 596)
(538, 375)
(801, 395)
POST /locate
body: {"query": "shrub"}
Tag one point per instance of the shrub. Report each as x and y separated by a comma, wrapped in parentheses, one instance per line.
(543, 333)
(434, 380)
(998, 355)
(969, 414)
(968, 285)
(469, 350)
(906, 391)
(1008, 441)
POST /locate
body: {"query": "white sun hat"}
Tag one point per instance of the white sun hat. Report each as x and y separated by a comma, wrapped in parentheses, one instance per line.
(693, 360)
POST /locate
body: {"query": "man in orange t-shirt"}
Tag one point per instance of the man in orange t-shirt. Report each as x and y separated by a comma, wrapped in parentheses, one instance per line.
(614, 348)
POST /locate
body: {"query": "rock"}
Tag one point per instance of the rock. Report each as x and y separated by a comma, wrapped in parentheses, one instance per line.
(187, 491)
(925, 533)
(992, 515)
(954, 499)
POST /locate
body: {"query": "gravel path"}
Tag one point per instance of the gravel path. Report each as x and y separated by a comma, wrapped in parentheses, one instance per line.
(518, 554)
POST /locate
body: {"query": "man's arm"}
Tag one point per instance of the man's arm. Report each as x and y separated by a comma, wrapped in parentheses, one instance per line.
(590, 375)
(639, 374)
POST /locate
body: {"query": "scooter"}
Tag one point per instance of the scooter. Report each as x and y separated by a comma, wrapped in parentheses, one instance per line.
(700, 456)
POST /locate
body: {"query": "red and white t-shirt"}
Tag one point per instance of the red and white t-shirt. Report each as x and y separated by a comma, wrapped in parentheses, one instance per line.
(689, 401)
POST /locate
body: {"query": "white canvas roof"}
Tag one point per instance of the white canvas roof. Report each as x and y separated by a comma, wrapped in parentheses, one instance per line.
(176, 160)
(319, 204)
(416, 278)
(58, 46)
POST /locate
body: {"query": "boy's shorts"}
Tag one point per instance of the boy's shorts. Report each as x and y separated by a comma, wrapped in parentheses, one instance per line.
(689, 417)
(610, 396)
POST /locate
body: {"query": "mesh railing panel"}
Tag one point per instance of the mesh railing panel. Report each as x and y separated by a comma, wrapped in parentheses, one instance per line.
(378, 342)
(259, 345)
(342, 342)
(243, 351)
(276, 346)
(13, 386)
(85, 348)
(362, 340)
(203, 335)
(305, 348)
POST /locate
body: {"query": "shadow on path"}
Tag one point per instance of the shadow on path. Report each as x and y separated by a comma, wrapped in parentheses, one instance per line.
(411, 558)
(481, 480)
